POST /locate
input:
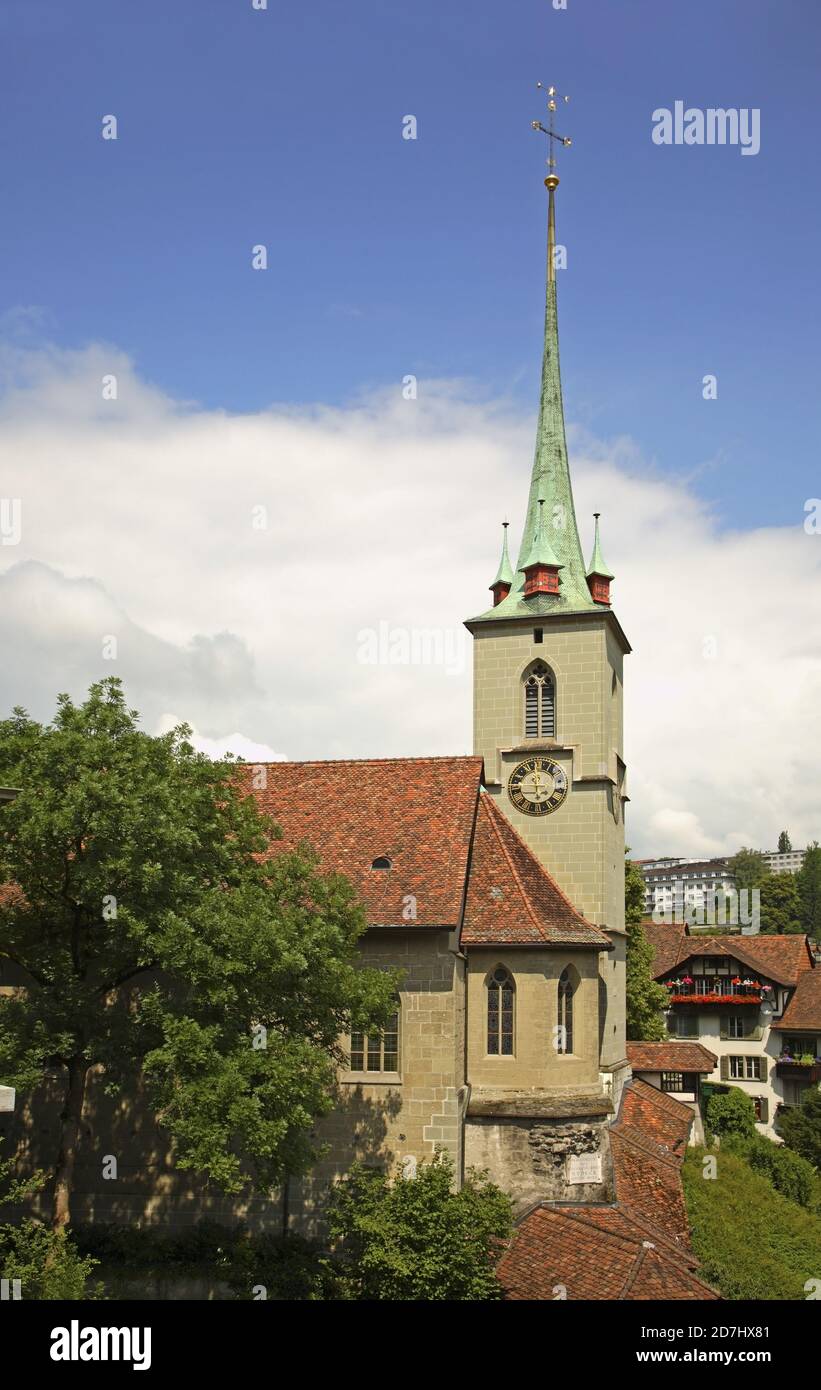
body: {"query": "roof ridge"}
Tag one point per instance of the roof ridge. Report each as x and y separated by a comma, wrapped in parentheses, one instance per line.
(345, 762)
(584, 1220)
(634, 1272)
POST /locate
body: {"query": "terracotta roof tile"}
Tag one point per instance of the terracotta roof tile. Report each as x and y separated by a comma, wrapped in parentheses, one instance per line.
(780, 958)
(512, 898)
(666, 942)
(417, 812)
(594, 1254)
(670, 1056)
(804, 1009)
(635, 1249)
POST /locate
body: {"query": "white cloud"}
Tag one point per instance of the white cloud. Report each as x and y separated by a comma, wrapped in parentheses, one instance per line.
(139, 522)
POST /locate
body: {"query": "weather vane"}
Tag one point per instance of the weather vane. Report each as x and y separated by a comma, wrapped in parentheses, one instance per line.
(553, 100)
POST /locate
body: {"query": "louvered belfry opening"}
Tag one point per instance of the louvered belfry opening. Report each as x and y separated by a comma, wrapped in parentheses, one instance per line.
(540, 703)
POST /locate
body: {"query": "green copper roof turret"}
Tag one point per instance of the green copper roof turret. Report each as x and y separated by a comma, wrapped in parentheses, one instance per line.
(541, 551)
(597, 565)
(505, 572)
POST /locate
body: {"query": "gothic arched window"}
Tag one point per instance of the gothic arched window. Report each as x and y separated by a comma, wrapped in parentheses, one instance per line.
(567, 988)
(501, 993)
(540, 703)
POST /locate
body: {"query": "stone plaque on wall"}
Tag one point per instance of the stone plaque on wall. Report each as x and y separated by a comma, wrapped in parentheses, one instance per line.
(584, 1168)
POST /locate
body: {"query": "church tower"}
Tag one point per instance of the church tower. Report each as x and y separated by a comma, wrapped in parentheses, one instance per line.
(548, 684)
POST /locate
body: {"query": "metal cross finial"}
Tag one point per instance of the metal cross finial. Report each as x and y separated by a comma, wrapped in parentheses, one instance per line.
(553, 99)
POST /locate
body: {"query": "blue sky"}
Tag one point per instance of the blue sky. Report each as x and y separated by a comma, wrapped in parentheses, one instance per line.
(389, 256)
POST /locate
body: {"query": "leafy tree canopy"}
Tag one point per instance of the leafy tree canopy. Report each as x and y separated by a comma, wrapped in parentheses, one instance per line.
(151, 937)
(809, 891)
(749, 868)
(646, 1000)
(780, 905)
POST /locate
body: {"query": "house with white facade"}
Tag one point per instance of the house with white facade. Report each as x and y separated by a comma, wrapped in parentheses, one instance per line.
(752, 1002)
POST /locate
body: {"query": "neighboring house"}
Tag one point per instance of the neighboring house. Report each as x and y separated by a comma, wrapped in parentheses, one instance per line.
(676, 1068)
(799, 1031)
(636, 1248)
(736, 996)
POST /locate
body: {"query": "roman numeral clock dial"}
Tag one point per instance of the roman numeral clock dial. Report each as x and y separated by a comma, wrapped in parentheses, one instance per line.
(537, 786)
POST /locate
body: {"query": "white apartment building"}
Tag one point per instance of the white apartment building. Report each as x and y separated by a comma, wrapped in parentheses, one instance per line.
(784, 861)
(670, 884)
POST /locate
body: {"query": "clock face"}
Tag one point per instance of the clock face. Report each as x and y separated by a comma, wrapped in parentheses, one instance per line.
(537, 786)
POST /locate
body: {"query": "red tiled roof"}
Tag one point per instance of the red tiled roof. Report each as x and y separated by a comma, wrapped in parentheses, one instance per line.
(804, 1009)
(594, 1253)
(666, 942)
(512, 898)
(417, 812)
(636, 1249)
(670, 1056)
(449, 845)
(779, 958)
(661, 1118)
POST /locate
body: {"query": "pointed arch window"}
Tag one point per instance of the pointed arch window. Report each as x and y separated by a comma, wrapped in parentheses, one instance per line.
(501, 996)
(540, 702)
(567, 988)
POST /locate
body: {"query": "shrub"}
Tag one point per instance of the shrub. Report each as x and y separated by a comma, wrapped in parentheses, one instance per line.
(418, 1239)
(730, 1112)
(789, 1174)
(800, 1126)
(46, 1262)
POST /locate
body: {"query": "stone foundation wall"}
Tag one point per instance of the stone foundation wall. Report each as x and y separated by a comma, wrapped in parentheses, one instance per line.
(530, 1158)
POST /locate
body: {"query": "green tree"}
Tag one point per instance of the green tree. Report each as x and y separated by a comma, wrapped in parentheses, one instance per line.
(731, 1112)
(800, 1126)
(646, 1000)
(749, 868)
(780, 905)
(784, 843)
(809, 891)
(417, 1239)
(152, 939)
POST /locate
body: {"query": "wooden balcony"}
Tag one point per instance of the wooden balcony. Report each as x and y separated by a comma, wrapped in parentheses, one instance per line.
(715, 989)
(789, 1068)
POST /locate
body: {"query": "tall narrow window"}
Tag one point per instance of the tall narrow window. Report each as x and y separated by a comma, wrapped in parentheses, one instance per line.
(540, 703)
(377, 1051)
(567, 988)
(500, 996)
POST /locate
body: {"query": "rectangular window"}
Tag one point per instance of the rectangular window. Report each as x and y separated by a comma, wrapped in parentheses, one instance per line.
(376, 1051)
(745, 1068)
(735, 1026)
(672, 1081)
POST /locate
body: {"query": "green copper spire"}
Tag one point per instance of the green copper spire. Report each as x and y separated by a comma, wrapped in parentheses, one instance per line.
(550, 481)
(597, 565)
(505, 571)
